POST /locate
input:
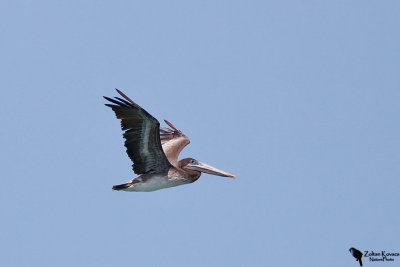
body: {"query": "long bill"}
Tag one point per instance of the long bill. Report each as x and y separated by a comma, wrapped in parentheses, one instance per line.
(202, 167)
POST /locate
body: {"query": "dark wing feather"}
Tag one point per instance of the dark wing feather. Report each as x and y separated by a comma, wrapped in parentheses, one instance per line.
(141, 133)
(173, 141)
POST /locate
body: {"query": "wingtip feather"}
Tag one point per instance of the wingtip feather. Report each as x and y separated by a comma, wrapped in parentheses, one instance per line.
(127, 98)
(172, 126)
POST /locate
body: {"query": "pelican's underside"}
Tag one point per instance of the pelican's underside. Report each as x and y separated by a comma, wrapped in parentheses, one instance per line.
(151, 182)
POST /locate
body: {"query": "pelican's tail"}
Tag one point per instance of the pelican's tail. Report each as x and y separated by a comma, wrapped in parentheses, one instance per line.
(122, 186)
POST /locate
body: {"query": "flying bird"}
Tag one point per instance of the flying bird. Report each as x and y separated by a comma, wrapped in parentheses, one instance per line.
(154, 151)
(356, 254)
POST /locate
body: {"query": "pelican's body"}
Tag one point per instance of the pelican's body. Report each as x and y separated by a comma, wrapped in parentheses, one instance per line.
(156, 181)
(155, 151)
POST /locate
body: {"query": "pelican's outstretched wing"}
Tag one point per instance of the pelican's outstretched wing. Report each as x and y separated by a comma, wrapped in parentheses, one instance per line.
(141, 133)
(173, 141)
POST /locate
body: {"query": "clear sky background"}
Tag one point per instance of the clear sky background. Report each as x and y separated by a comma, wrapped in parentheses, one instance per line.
(299, 99)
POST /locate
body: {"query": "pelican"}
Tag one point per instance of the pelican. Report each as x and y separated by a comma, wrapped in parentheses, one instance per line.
(154, 151)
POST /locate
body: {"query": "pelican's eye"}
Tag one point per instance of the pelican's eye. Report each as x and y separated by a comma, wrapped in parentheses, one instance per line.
(193, 161)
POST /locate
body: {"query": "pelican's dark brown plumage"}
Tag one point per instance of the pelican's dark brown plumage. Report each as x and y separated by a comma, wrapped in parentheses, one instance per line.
(154, 151)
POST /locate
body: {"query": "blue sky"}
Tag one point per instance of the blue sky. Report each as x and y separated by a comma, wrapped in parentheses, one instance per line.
(299, 99)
